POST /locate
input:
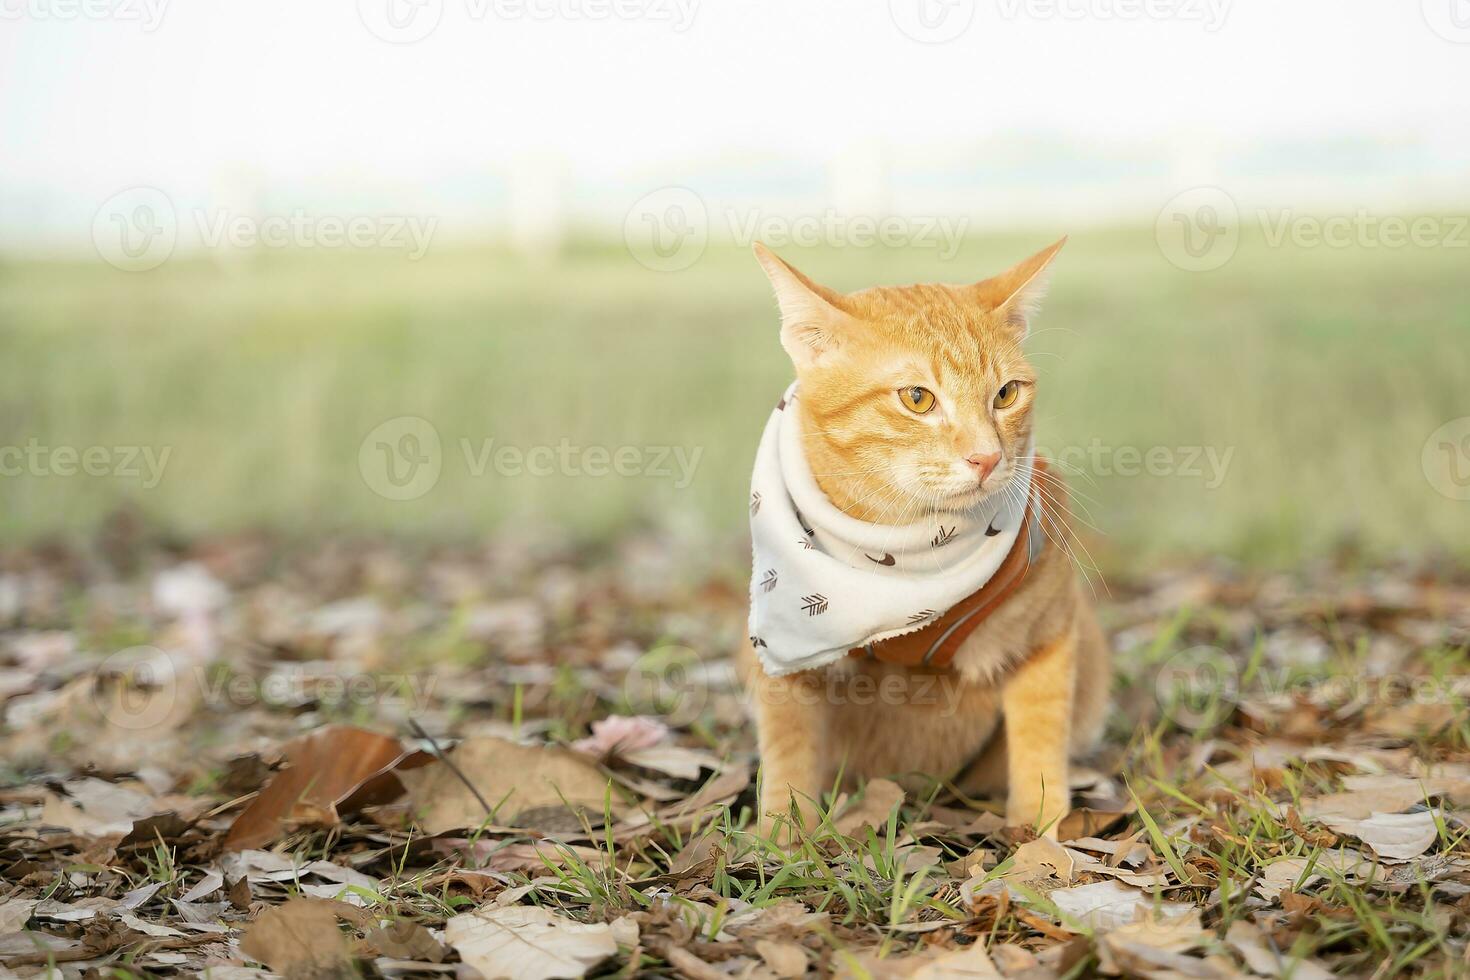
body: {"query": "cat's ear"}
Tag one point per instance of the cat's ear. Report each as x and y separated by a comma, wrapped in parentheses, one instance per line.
(1016, 294)
(812, 320)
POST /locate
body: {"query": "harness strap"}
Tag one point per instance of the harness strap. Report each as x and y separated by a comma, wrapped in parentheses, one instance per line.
(936, 644)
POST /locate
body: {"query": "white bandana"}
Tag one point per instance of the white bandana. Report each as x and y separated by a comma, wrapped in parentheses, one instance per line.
(823, 583)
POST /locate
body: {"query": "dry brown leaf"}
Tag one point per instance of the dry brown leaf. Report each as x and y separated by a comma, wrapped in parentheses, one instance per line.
(950, 964)
(299, 939)
(1283, 874)
(512, 778)
(785, 959)
(1366, 795)
(406, 940)
(1394, 836)
(96, 808)
(621, 734)
(879, 798)
(673, 760)
(1251, 944)
(1108, 905)
(331, 770)
(687, 965)
(1042, 858)
(523, 942)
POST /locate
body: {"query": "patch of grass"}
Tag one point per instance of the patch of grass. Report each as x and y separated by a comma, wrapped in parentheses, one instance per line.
(1320, 372)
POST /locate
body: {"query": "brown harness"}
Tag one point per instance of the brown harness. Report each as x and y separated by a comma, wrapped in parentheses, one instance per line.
(936, 644)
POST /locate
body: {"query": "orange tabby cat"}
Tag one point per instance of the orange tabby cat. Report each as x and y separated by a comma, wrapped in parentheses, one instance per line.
(1028, 688)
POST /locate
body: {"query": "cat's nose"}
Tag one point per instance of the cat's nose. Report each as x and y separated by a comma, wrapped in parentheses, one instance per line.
(984, 464)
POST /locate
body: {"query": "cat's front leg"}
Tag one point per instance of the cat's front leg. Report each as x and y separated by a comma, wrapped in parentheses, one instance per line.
(791, 719)
(1037, 701)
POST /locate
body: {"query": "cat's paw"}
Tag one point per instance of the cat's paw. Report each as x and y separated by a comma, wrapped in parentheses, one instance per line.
(1045, 818)
(784, 819)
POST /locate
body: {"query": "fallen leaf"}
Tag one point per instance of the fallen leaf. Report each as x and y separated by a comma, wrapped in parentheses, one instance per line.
(1108, 905)
(1286, 873)
(509, 777)
(15, 913)
(786, 959)
(523, 942)
(620, 734)
(1366, 795)
(332, 770)
(879, 798)
(96, 808)
(406, 940)
(1042, 858)
(674, 760)
(208, 885)
(951, 964)
(1395, 836)
(299, 939)
(1251, 943)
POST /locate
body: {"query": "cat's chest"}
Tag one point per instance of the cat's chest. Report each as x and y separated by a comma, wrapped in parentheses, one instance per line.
(995, 648)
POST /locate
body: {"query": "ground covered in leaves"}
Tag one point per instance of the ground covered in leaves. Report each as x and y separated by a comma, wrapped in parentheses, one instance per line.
(232, 758)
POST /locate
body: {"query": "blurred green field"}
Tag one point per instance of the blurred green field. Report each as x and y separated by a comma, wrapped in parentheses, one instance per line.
(1321, 372)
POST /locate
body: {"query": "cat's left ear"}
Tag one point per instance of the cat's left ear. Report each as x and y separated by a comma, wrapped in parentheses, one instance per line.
(1015, 295)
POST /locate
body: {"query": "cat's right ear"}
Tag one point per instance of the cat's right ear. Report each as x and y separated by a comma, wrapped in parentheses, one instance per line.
(812, 320)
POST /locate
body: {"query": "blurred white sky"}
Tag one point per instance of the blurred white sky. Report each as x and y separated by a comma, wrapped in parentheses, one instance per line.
(301, 93)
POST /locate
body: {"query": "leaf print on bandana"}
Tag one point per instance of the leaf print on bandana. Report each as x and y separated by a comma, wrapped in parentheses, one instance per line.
(944, 537)
(814, 604)
(768, 581)
(757, 642)
(921, 616)
(755, 503)
(887, 561)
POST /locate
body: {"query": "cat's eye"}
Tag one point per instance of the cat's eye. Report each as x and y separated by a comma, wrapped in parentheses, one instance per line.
(1006, 397)
(915, 399)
